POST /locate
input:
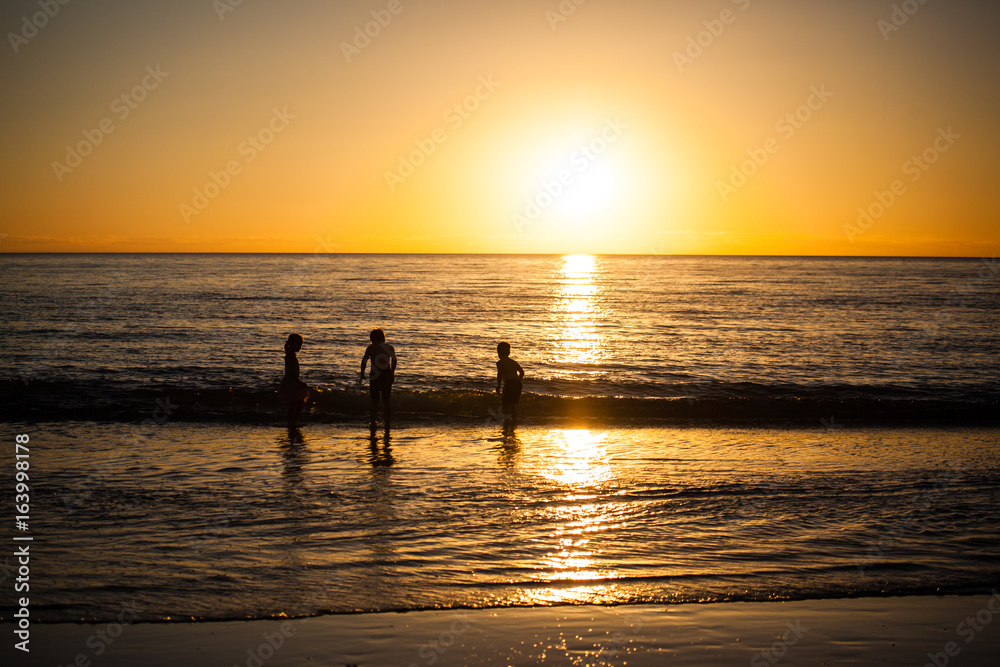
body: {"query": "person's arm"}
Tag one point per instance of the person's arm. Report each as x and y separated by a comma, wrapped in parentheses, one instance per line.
(520, 371)
(392, 354)
(364, 362)
(499, 376)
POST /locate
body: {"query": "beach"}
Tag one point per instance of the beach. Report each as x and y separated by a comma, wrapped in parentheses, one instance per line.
(910, 631)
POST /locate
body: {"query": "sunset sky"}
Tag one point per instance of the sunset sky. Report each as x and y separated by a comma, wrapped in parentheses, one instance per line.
(626, 126)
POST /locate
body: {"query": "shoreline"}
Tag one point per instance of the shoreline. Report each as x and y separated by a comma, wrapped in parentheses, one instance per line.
(912, 630)
(416, 420)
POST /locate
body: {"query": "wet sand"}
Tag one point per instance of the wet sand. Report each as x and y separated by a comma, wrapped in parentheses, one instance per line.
(915, 630)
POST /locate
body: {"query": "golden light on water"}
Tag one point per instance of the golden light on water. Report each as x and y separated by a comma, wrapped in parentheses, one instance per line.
(573, 595)
(579, 266)
(576, 462)
(572, 561)
(578, 311)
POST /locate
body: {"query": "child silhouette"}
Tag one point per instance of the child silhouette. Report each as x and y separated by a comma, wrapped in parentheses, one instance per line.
(293, 391)
(383, 358)
(511, 373)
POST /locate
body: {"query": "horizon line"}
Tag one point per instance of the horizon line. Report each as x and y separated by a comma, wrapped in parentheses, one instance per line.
(491, 254)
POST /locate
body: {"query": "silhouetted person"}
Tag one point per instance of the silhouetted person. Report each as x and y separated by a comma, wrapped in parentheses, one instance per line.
(293, 390)
(511, 373)
(383, 358)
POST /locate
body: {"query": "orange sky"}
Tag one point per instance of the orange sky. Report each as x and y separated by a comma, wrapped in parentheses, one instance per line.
(730, 126)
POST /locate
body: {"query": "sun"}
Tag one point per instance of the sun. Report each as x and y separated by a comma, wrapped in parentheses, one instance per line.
(582, 183)
(570, 174)
(578, 199)
(594, 193)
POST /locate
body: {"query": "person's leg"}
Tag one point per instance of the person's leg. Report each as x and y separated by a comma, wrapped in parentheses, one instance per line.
(373, 390)
(294, 410)
(513, 396)
(386, 406)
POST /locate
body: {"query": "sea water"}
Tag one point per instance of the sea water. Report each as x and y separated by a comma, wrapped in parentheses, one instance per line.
(692, 429)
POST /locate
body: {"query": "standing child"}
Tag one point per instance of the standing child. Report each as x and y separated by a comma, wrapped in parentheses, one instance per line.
(293, 390)
(383, 358)
(511, 373)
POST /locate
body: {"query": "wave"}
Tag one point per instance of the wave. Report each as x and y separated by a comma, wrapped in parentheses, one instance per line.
(717, 404)
(92, 614)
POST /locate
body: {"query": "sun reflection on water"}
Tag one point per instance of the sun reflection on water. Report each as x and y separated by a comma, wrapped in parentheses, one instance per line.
(576, 464)
(578, 459)
(578, 311)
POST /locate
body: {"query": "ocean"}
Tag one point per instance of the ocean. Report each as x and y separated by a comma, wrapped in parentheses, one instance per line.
(701, 429)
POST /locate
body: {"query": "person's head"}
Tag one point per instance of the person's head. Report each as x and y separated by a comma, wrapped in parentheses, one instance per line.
(503, 350)
(294, 343)
(377, 335)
